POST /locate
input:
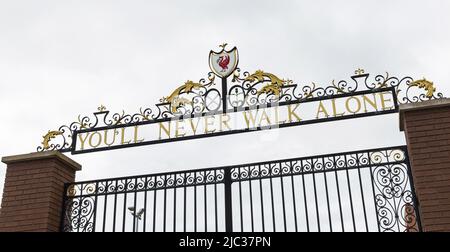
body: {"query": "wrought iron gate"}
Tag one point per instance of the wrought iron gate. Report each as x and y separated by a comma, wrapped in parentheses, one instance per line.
(368, 190)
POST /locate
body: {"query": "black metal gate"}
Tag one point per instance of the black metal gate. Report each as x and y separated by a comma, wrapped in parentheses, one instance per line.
(368, 190)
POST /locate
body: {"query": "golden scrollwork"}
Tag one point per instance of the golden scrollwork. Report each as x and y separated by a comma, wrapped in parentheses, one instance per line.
(49, 136)
(118, 120)
(144, 116)
(71, 191)
(275, 85)
(425, 84)
(174, 98)
(384, 83)
(309, 91)
(339, 90)
(83, 124)
(90, 188)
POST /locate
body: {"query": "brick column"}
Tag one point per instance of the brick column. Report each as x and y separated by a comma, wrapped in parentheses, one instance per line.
(33, 191)
(427, 130)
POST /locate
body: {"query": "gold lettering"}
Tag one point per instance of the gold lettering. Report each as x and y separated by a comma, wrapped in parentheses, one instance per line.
(178, 128)
(122, 139)
(251, 119)
(99, 139)
(333, 102)
(166, 130)
(224, 122)
(208, 123)
(136, 140)
(82, 141)
(105, 140)
(264, 116)
(321, 109)
(292, 113)
(347, 106)
(194, 127)
(277, 116)
(372, 103)
(383, 101)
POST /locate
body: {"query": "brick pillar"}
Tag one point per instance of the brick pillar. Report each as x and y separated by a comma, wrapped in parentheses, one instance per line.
(427, 130)
(33, 191)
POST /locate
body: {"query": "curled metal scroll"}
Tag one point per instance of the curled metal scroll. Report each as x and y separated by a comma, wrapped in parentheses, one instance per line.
(248, 89)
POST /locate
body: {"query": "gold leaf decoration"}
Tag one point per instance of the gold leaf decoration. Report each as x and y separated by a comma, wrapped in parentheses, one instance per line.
(174, 98)
(49, 136)
(425, 84)
(275, 85)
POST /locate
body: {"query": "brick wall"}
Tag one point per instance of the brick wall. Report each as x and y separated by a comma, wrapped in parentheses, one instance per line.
(33, 190)
(427, 130)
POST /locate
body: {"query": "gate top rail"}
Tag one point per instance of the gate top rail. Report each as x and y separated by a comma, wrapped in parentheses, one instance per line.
(255, 170)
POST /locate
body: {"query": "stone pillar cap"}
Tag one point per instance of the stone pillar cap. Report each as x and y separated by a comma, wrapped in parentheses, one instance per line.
(436, 103)
(42, 155)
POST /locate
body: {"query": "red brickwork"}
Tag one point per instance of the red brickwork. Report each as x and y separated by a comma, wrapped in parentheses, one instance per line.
(427, 129)
(33, 190)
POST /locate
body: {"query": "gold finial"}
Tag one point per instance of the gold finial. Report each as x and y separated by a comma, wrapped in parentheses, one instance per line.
(223, 45)
(101, 108)
(359, 71)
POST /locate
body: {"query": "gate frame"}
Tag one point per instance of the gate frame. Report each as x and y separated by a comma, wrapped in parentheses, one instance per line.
(87, 192)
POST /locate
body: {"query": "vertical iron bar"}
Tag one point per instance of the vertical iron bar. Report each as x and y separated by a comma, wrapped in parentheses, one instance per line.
(175, 203)
(104, 206)
(362, 193)
(115, 207)
(228, 201)
(338, 192)
(205, 196)
(195, 202)
(134, 205)
(145, 204)
(224, 95)
(184, 203)
(271, 199)
(165, 203)
(262, 200)
(215, 200)
(251, 201)
(395, 98)
(350, 193)
(315, 194)
(155, 194)
(326, 191)
(293, 196)
(240, 201)
(282, 197)
(304, 195)
(125, 205)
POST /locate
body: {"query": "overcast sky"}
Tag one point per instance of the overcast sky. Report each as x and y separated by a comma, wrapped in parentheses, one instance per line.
(59, 59)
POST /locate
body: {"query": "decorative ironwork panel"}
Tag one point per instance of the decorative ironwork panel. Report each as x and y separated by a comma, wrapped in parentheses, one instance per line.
(368, 190)
(247, 91)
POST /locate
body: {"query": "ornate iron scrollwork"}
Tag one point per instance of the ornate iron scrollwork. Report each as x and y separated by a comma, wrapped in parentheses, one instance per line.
(383, 176)
(248, 90)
